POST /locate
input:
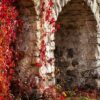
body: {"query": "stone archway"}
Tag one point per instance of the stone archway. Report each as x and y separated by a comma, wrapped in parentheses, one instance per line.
(76, 45)
(49, 41)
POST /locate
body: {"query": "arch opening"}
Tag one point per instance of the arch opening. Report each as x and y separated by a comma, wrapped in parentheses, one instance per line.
(76, 44)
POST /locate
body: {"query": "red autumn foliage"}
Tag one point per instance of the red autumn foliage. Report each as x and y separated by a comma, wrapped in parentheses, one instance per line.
(62, 97)
(51, 3)
(38, 64)
(58, 26)
(48, 14)
(52, 21)
(48, 17)
(1, 98)
(8, 24)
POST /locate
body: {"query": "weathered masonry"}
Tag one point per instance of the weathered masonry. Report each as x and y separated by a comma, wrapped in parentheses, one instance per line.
(75, 48)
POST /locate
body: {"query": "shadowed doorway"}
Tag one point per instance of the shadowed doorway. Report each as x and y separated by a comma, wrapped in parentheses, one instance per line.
(76, 46)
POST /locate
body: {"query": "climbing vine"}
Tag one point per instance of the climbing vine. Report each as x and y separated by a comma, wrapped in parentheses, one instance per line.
(48, 19)
(8, 24)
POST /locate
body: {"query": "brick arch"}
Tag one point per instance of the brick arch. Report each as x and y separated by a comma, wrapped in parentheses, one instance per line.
(94, 6)
(78, 38)
(50, 44)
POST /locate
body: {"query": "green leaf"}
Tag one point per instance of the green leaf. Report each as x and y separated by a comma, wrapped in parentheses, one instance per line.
(83, 98)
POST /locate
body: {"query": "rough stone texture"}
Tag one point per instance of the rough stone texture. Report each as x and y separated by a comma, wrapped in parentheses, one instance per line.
(80, 51)
(26, 46)
(75, 44)
(95, 9)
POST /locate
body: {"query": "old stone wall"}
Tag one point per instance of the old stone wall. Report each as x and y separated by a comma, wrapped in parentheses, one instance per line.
(76, 41)
(26, 38)
(26, 48)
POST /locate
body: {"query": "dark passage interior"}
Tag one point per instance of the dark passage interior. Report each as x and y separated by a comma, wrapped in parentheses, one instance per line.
(76, 46)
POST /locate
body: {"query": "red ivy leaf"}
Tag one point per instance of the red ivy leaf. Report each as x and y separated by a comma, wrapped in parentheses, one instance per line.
(52, 21)
(1, 98)
(62, 97)
(48, 13)
(54, 30)
(58, 26)
(38, 65)
(51, 3)
(11, 71)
